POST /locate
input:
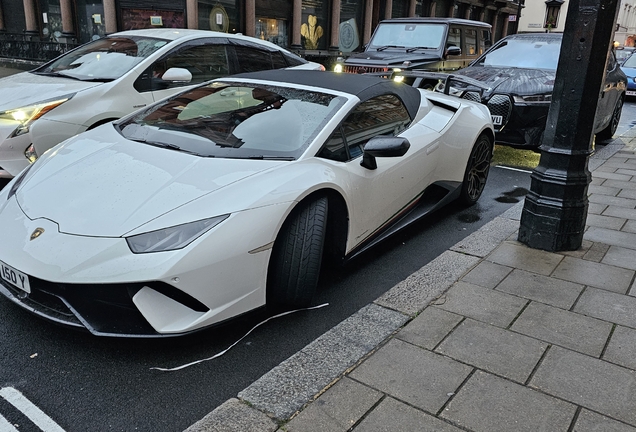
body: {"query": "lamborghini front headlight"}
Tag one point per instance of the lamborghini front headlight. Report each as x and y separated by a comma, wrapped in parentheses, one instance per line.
(172, 238)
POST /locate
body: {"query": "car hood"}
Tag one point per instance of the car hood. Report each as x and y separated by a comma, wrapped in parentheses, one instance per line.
(100, 184)
(630, 72)
(389, 57)
(27, 88)
(512, 80)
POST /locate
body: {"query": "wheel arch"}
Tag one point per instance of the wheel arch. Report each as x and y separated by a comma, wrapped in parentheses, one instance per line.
(337, 228)
(337, 222)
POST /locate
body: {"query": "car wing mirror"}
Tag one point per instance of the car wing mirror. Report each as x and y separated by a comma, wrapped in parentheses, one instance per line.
(383, 146)
(177, 74)
(453, 51)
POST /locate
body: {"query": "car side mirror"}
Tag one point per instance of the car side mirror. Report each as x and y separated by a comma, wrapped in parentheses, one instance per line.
(453, 51)
(383, 146)
(177, 74)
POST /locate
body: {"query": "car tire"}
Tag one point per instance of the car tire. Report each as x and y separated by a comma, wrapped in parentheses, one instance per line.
(476, 171)
(296, 257)
(610, 130)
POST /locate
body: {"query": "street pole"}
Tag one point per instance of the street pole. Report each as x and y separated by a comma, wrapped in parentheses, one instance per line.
(555, 210)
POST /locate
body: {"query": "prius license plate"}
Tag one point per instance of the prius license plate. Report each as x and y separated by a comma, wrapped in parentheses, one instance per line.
(497, 120)
(15, 277)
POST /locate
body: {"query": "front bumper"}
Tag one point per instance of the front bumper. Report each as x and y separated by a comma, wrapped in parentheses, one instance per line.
(12, 158)
(99, 285)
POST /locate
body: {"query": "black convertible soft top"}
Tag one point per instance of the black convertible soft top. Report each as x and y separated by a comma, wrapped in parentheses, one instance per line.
(363, 86)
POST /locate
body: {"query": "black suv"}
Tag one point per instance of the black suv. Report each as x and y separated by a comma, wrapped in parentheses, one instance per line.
(432, 44)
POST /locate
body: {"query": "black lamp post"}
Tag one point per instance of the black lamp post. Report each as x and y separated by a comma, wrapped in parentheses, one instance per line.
(555, 210)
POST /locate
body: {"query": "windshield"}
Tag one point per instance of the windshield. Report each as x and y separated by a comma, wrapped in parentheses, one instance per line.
(104, 59)
(402, 35)
(630, 62)
(622, 54)
(235, 120)
(536, 53)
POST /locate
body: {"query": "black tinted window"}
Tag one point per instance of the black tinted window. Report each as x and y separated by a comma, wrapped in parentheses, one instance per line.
(293, 60)
(382, 115)
(205, 62)
(278, 61)
(252, 60)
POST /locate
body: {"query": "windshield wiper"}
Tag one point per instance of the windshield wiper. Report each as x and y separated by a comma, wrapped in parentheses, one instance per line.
(382, 48)
(62, 75)
(56, 74)
(166, 145)
(418, 48)
(263, 157)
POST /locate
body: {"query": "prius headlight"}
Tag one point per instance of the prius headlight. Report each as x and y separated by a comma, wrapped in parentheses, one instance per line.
(28, 114)
(173, 238)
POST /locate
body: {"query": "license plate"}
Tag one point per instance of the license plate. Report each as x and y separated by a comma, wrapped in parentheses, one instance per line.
(497, 120)
(630, 93)
(15, 277)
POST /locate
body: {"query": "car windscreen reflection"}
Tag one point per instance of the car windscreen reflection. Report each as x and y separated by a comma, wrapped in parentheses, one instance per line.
(235, 120)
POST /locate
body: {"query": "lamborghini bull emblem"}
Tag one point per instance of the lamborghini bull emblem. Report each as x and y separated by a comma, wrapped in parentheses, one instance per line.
(36, 233)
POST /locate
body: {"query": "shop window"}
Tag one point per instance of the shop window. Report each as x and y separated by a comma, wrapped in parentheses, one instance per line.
(219, 15)
(552, 14)
(272, 30)
(351, 13)
(51, 20)
(91, 23)
(314, 29)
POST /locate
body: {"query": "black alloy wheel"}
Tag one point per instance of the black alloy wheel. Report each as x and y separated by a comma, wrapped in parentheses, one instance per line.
(610, 130)
(476, 171)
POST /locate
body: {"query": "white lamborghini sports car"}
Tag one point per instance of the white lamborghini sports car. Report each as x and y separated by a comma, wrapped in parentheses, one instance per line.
(228, 196)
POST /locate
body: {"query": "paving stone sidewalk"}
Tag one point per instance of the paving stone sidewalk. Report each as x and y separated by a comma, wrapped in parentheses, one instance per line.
(491, 336)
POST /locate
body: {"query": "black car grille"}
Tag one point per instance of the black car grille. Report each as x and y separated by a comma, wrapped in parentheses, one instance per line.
(103, 309)
(472, 96)
(500, 105)
(365, 69)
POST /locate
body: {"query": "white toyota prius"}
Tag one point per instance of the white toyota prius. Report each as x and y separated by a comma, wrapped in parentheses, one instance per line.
(227, 197)
(113, 76)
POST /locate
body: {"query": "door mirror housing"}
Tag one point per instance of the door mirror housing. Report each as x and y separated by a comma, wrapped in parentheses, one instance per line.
(177, 74)
(383, 146)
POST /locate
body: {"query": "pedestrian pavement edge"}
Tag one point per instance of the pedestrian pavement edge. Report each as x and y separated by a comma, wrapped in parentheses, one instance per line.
(287, 388)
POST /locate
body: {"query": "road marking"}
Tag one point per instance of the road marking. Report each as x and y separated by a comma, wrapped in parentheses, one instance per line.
(35, 414)
(5, 426)
(513, 169)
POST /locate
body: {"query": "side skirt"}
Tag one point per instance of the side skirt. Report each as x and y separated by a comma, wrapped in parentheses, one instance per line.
(434, 197)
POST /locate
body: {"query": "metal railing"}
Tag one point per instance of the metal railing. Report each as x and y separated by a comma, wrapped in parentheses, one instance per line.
(25, 47)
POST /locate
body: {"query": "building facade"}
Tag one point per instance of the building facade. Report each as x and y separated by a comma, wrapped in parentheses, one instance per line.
(626, 24)
(311, 28)
(538, 16)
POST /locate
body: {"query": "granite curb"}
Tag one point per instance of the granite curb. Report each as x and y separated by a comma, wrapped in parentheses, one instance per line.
(289, 387)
